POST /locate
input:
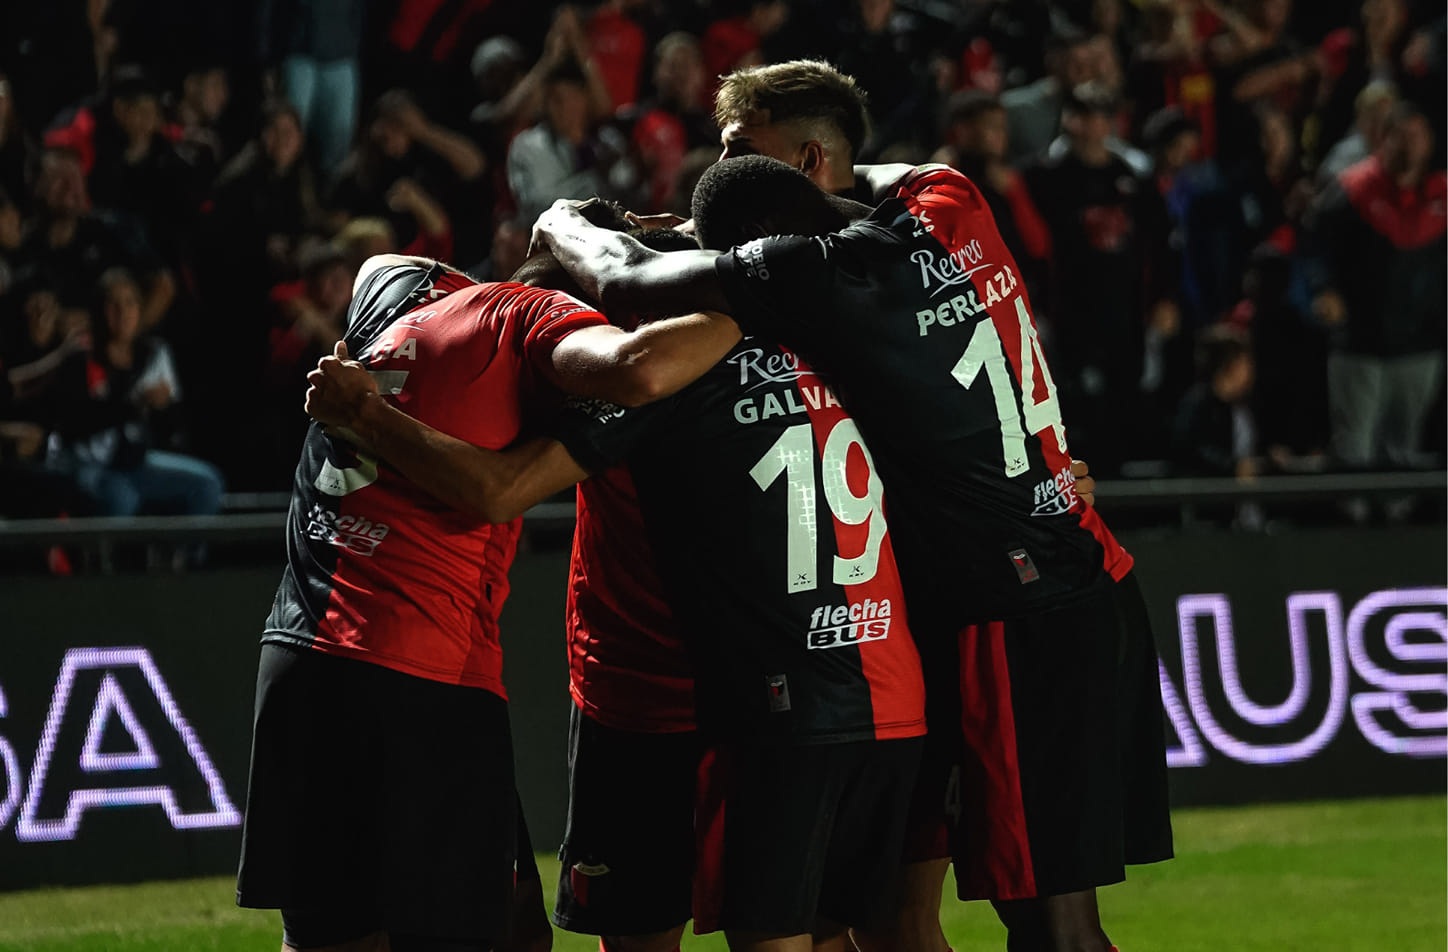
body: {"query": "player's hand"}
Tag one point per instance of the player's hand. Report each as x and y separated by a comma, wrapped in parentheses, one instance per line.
(1085, 482)
(338, 389)
(661, 220)
(559, 218)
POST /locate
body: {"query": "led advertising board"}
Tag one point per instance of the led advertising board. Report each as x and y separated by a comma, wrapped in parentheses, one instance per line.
(1294, 666)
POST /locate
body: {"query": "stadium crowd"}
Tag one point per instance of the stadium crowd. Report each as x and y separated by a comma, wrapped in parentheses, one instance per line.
(1230, 213)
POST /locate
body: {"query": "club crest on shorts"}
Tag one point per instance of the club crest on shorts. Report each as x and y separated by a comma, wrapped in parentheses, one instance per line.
(778, 687)
(1025, 569)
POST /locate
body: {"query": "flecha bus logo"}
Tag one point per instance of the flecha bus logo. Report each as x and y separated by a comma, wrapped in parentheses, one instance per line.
(840, 625)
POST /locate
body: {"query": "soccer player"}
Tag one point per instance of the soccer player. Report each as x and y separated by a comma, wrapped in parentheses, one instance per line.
(802, 112)
(381, 806)
(1047, 723)
(808, 693)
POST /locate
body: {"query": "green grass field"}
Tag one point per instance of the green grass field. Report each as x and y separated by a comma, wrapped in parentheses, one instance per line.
(1323, 877)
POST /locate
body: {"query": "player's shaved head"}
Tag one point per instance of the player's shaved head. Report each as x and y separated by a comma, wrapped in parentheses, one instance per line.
(754, 196)
(808, 92)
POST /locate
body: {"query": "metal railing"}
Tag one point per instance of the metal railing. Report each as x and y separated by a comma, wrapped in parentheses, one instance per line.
(261, 517)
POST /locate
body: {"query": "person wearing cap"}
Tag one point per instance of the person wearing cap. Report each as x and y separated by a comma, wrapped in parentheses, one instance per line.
(1108, 235)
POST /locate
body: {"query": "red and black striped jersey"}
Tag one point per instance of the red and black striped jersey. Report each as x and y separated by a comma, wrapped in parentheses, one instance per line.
(627, 665)
(918, 317)
(378, 570)
(767, 525)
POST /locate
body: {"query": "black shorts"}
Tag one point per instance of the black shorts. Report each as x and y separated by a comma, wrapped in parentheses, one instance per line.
(792, 837)
(378, 797)
(1045, 768)
(628, 850)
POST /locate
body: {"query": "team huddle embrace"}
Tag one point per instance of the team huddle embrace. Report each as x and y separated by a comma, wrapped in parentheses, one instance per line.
(839, 613)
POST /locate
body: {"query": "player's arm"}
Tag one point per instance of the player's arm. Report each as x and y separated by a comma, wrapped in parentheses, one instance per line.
(495, 486)
(623, 275)
(631, 368)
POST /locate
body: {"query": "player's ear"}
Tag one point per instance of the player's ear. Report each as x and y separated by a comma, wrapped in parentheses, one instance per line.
(812, 158)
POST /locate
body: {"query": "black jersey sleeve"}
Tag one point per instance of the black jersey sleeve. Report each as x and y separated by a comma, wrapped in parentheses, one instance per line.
(599, 434)
(774, 285)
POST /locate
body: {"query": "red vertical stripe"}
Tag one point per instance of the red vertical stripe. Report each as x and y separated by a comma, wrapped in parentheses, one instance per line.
(996, 828)
(709, 808)
(892, 666)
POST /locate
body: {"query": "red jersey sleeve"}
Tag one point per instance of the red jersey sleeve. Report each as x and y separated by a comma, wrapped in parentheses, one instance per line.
(548, 317)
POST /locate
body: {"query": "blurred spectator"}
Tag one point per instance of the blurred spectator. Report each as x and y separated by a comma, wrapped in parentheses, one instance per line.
(77, 245)
(1229, 114)
(508, 252)
(1290, 401)
(308, 318)
(617, 44)
(1168, 68)
(734, 42)
(1272, 188)
(312, 50)
(1203, 215)
(197, 114)
(105, 435)
(263, 203)
(409, 168)
(1374, 268)
(18, 151)
(510, 98)
(565, 155)
(1111, 280)
(975, 143)
(136, 169)
(31, 364)
(1257, 59)
(1106, 72)
(1424, 62)
(62, 55)
(663, 128)
(1352, 57)
(507, 93)
(10, 235)
(1371, 110)
(361, 238)
(1033, 111)
(425, 46)
(41, 335)
(878, 47)
(1215, 433)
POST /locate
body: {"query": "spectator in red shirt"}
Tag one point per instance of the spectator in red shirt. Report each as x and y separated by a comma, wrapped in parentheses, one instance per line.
(734, 42)
(617, 44)
(671, 122)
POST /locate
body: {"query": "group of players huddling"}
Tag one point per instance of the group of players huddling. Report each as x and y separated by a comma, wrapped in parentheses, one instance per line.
(839, 611)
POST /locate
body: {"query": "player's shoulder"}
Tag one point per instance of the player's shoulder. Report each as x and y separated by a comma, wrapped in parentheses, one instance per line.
(934, 175)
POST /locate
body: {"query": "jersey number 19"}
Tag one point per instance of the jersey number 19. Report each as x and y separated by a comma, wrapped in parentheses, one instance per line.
(793, 456)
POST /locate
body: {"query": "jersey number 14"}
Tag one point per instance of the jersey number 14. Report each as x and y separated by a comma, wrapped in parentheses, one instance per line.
(986, 351)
